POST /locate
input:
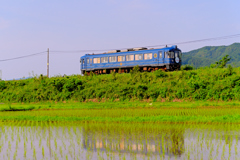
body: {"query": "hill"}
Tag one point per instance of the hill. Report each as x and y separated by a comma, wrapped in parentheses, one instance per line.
(210, 54)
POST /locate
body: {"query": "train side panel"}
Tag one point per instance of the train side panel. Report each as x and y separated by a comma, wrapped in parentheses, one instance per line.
(156, 58)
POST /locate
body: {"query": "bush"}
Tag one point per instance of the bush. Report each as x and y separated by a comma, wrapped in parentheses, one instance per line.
(199, 84)
(187, 67)
(2, 85)
(160, 74)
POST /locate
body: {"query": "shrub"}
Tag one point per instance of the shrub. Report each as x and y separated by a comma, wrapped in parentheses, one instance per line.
(187, 67)
(160, 74)
(2, 85)
(199, 84)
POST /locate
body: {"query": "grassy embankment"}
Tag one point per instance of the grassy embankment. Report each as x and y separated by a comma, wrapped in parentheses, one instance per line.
(135, 97)
(201, 84)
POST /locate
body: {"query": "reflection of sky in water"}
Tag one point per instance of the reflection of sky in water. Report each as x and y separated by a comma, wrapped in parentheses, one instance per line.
(87, 142)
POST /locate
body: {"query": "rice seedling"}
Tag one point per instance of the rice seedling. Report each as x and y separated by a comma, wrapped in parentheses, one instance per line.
(61, 152)
(133, 133)
(43, 152)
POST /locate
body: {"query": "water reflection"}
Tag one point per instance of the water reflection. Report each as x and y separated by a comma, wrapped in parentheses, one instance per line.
(117, 141)
(168, 142)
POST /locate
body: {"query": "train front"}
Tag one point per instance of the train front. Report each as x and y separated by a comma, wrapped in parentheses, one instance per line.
(175, 58)
(82, 64)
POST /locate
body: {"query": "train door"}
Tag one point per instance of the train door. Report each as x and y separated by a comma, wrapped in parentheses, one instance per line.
(90, 63)
(155, 58)
(176, 58)
(161, 57)
(86, 63)
(81, 63)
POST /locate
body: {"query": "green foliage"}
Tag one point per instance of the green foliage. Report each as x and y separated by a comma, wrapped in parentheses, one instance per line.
(230, 70)
(135, 70)
(209, 55)
(160, 74)
(222, 63)
(2, 85)
(199, 84)
(187, 67)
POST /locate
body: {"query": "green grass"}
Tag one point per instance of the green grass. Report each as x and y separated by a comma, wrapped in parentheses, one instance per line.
(187, 112)
(114, 105)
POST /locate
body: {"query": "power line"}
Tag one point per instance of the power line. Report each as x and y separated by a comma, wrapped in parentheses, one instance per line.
(178, 43)
(30, 55)
(202, 40)
(79, 51)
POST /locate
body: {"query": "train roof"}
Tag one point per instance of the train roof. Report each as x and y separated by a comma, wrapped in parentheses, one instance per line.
(130, 50)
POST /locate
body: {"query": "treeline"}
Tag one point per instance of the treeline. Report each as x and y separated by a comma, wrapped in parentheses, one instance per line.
(200, 84)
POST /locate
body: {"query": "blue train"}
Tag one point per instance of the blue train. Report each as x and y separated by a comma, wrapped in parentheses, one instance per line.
(122, 61)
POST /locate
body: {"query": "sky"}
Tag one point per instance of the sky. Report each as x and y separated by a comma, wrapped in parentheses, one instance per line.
(32, 26)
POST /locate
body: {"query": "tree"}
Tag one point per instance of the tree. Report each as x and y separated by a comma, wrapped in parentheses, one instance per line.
(222, 63)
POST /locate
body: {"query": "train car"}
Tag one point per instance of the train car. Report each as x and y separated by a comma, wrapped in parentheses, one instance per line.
(122, 61)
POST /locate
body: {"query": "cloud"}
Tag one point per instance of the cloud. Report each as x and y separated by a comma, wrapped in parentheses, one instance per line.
(3, 23)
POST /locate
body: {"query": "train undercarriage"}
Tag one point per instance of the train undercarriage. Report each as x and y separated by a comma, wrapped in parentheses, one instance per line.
(128, 69)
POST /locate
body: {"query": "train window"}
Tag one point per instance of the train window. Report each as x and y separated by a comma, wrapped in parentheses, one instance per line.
(112, 59)
(87, 60)
(171, 54)
(176, 55)
(129, 57)
(160, 54)
(96, 60)
(148, 56)
(90, 60)
(167, 55)
(180, 54)
(104, 59)
(121, 58)
(138, 57)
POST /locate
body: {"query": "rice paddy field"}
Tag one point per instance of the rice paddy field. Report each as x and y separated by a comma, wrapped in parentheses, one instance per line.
(120, 130)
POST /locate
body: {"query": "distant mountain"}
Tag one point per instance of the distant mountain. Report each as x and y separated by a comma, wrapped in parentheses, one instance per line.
(210, 54)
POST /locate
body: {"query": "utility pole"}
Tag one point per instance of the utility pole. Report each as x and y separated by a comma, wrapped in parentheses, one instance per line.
(0, 74)
(48, 62)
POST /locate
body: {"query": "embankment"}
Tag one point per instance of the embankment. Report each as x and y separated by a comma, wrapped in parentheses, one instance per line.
(200, 84)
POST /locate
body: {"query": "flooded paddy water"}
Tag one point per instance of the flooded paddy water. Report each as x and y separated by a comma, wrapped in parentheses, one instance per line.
(74, 140)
